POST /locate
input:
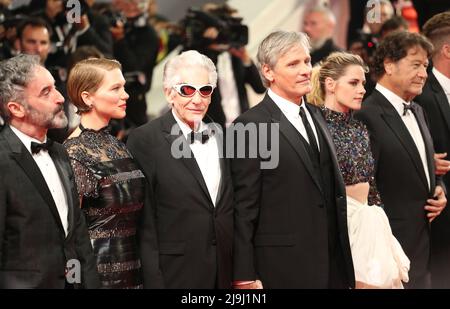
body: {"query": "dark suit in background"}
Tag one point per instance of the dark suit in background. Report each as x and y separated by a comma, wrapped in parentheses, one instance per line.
(435, 103)
(324, 51)
(34, 249)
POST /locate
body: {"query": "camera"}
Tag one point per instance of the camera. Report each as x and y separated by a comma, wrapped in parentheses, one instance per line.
(231, 30)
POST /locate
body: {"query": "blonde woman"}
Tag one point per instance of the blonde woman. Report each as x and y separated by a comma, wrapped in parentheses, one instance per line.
(110, 185)
(378, 259)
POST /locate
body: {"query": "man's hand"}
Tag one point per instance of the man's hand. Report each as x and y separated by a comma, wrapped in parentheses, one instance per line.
(442, 166)
(242, 54)
(211, 33)
(251, 285)
(118, 31)
(437, 205)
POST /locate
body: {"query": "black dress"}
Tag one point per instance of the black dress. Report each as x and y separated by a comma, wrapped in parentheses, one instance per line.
(111, 188)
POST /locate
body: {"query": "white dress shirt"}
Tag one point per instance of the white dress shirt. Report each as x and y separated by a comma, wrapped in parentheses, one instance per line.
(50, 174)
(292, 112)
(411, 124)
(228, 88)
(207, 157)
(444, 81)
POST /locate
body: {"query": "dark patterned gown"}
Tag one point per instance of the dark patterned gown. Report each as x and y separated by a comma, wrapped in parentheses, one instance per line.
(111, 190)
(378, 259)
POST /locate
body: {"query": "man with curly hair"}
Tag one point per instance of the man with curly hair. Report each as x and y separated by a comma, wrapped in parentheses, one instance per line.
(403, 149)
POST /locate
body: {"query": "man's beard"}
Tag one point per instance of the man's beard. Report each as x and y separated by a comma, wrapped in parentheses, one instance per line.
(55, 120)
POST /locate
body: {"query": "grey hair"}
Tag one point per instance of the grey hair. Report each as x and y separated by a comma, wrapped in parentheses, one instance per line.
(187, 59)
(325, 12)
(276, 44)
(15, 74)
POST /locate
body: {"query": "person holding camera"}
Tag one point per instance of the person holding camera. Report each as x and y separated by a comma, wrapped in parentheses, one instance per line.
(136, 46)
(235, 68)
(93, 29)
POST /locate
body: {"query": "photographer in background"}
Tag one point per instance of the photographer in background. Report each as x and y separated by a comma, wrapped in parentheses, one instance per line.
(215, 32)
(136, 47)
(93, 29)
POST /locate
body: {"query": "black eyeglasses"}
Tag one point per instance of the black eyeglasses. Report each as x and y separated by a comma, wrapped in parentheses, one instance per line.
(187, 90)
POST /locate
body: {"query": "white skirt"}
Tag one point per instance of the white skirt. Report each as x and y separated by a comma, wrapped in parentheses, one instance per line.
(378, 258)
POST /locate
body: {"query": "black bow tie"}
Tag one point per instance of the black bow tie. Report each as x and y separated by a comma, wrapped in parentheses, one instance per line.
(36, 147)
(407, 107)
(198, 136)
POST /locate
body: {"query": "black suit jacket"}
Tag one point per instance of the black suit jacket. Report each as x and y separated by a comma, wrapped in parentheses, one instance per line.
(401, 179)
(281, 228)
(184, 237)
(435, 103)
(242, 75)
(33, 247)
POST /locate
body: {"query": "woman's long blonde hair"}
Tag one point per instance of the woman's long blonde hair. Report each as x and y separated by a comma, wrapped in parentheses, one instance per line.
(333, 66)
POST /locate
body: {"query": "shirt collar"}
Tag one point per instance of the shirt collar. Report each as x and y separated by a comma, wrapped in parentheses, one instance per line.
(286, 106)
(185, 128)
(443, 80)
(25, 139)
(394, 99)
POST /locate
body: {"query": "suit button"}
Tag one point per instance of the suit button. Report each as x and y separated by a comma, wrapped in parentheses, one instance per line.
(340, 197)
(320, 205)
(214, 242)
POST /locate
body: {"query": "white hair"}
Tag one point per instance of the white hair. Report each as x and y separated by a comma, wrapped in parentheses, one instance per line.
(187, 59)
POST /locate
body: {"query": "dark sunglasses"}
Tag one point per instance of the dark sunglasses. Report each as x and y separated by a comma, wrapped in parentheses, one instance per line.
(187, 90)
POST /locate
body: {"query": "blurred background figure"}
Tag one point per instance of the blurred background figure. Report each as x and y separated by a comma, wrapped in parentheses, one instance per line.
(435, 100)
(319, 23)
(428, 8)
(395, 23)
(136, 47)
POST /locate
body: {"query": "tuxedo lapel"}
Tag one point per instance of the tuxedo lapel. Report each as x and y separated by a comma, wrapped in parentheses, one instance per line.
(24, 159)
(395, 123)
(441, 99)
(190, 162)
(63, 168)
(293, 137)
(428, 141)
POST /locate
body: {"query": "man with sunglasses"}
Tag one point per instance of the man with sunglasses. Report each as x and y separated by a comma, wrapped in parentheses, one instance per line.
(186, 237)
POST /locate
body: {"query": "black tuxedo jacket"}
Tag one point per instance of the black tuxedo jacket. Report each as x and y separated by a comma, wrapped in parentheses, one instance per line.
(435, 103)
(184, 237)
(281, 226)
(401, 179)
(34, 249)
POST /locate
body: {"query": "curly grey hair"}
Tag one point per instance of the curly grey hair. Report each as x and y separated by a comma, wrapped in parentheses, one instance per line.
(15, 74)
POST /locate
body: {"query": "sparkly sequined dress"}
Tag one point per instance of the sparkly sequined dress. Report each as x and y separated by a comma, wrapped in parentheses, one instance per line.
(111, 188)
(378, 259)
